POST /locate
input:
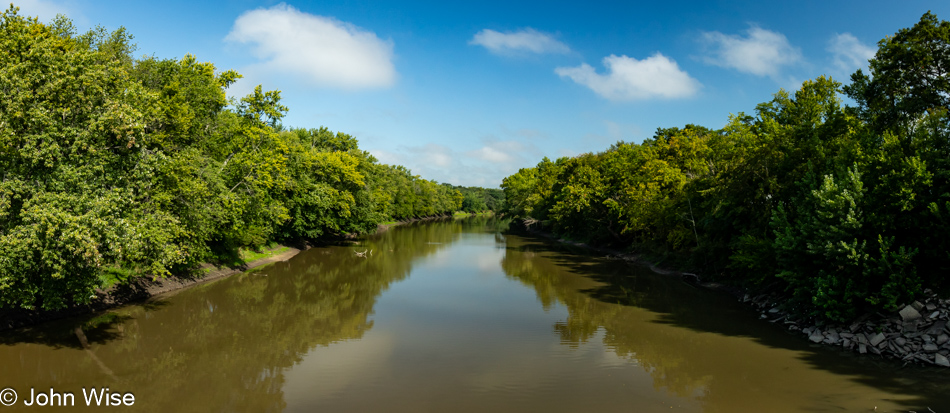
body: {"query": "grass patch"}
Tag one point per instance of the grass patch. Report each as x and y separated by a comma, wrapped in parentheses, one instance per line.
(234, 259)
(248, 255)
(111, 276)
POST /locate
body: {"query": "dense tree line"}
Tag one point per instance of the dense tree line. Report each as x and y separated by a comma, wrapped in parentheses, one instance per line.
(845, 208)
(476, 199)
(112, 162)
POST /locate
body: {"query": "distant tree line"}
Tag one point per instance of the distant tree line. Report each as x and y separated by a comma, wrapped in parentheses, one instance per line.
(846, 209)
(143, 165)
(476, 199)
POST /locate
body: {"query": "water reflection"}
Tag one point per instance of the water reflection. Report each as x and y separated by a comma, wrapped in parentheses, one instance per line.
(452, 316)
(223, 346)
(705, 346)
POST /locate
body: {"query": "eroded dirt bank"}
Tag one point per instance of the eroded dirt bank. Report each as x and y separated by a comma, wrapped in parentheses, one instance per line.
(137, 290)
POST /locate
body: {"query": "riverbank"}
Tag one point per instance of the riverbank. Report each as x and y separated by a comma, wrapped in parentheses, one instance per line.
(919, 333)
(387, 225)
(142, 288)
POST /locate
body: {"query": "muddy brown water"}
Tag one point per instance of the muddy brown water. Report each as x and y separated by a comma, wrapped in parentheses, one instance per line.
(451, 316)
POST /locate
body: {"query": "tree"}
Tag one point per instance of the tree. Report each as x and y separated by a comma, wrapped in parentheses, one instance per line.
(909, 76)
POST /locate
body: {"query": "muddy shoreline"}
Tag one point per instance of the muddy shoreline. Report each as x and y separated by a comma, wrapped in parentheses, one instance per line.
(140, 289)
(144, 288)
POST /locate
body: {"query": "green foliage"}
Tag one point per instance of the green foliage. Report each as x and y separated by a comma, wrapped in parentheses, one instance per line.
(908, 76)
(475, 199)
(846, 208)
(825, 256)
(112, 166)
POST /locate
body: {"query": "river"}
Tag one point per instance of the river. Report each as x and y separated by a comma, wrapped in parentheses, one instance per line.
(450, 316)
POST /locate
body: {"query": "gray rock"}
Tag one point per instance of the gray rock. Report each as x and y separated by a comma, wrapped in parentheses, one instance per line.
(909, 313)
(833, 335)
(846, 343)
(930, 348)
(942, 339)
(861, 338)
(900, 341)
(862, 348)
(847, 335)
(877, 339)
(937, 327)
(917, 305)
(935, 314)
(816, 337)
(910, 327)
(940, 360)
(924, 358)
(930, 307)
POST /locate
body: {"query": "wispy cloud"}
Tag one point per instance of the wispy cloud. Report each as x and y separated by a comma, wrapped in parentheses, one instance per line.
(630, 79)
(44, 9)
(760, 52)
(485, 166)
(526, 40)
(614, 132)
(848, 53)
(440, 156)
(321, 50)
(501, 153)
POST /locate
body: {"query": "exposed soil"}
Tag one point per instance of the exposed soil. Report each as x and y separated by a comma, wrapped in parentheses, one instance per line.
(143, 288)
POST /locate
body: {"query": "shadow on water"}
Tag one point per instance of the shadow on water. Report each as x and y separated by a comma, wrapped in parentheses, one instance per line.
(101, 328)
(685, 363)
(77, 332)
(225, 345)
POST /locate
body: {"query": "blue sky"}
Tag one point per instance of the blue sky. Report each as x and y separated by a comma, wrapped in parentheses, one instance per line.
(469, 92)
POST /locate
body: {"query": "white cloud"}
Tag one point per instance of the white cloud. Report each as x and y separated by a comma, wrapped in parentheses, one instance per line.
(489, 154)
(630, 79)
(762, 52)
(849, 53)
(322, 50)
(501, 152)
(524, 40)
(387, 157)
(434, 154)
